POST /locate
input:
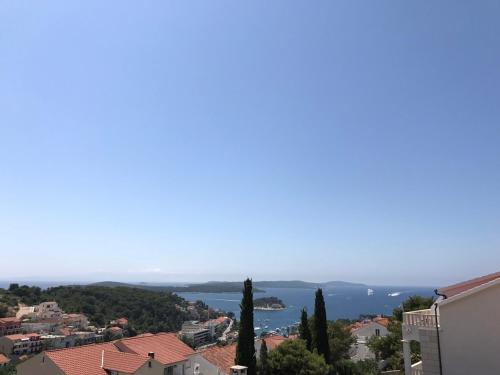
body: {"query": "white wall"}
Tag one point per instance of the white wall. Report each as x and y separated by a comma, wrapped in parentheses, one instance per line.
(470, 334)
(206, 368)
(370, 330)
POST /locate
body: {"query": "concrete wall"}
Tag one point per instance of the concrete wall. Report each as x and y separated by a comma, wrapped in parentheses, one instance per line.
(155, 369)
(429, 347)
(205, 367)
(37, 366)
(470, 334)
(6, 346)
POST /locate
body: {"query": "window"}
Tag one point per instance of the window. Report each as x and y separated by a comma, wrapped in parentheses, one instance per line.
(377, 332)
(169, 371)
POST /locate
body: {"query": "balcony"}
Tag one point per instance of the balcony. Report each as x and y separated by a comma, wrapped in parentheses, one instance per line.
(421, 318)
(416, 369)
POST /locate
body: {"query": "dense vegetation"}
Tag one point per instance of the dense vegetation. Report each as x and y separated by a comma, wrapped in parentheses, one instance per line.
(209, 287)
(146, 310)
(292, 357)
(267, 301)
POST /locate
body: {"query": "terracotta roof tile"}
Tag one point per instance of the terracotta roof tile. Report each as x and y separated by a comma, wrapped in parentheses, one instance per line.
(455, 289)
(3, 359)
(273, 341)
(9, 320)
(382, 321)
(21, 336)
(221, 356)
(122, 362)
(167, 347)
(81, 360)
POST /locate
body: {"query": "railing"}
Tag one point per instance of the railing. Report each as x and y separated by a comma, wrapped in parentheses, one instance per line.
(421, 318)
(416, 369)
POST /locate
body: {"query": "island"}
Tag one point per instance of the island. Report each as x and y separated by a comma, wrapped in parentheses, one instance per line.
(268, 304)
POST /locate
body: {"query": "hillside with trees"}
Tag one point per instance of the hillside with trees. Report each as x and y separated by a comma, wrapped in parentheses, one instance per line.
(146, 310)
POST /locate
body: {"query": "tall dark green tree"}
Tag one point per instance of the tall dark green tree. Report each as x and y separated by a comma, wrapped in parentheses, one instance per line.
(245, 350)
(320, 333)
(304, 330)
(263, 359)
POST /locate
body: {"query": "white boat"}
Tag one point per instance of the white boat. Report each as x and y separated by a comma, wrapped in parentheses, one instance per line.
(370, 292)
(395, 294)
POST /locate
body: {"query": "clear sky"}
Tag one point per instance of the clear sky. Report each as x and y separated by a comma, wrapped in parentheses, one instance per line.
(201, 140)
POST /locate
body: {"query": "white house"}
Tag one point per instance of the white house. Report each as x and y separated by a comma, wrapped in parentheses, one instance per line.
(363, 331)
(460, 333)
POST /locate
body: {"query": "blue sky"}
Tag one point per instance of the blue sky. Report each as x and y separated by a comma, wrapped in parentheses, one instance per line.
(201, 140)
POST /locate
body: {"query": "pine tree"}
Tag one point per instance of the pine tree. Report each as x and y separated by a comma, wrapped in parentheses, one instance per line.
(304, 331)
(263, 360)
(320, 335)
(245, 350)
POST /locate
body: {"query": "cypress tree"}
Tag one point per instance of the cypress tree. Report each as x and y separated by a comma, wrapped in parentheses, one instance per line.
(304, 331)
(320, 336)
(263, 361)
(245, 350)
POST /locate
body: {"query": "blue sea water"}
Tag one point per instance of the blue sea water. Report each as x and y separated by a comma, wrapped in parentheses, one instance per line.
(341, 302)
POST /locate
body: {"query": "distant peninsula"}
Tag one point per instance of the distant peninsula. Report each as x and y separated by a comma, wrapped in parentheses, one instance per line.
(268, 304)
(230, 286)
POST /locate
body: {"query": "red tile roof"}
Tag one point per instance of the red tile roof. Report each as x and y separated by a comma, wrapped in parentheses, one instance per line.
(20, 336)
(122, 362)
(10, 320)
(3, 359)
(221, 356)
(82, 360)
(167, 347)
(382, 321)
(455, 289)
(273, 341)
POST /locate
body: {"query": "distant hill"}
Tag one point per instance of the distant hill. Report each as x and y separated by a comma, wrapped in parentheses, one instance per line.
(342, 284)
(230, 286)
(210, 287)
(286, 284)
(305, 284)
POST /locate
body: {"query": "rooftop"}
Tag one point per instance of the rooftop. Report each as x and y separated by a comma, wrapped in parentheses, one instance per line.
(20, 336)
(167, 347)
(125, 355)
(9, 320)
(81, 360)
(122, 362)
(3, 359)
(221, 356)
(453, 290)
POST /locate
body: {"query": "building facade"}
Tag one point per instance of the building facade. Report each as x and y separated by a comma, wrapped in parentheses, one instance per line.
(459, 334)
(9, 326)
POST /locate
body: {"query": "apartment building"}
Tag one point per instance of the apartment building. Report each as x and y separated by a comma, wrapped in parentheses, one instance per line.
(459, 334)
(9, 326)
(45, 310)
(20, 344)
(197, 333)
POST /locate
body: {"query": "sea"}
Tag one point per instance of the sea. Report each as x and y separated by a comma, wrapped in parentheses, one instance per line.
(341, 303)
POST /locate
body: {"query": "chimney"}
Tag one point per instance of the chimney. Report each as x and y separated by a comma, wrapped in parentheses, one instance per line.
(151, 355)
